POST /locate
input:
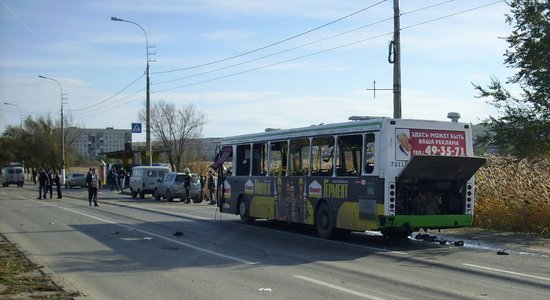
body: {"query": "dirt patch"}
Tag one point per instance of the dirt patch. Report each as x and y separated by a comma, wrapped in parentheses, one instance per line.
(21, 279)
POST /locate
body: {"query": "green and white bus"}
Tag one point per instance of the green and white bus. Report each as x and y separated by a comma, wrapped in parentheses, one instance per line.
(391, 175)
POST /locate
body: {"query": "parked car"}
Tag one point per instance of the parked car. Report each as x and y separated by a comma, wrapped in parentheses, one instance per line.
(12, 175)
(144, 179)
(173, 186)
(75, 179)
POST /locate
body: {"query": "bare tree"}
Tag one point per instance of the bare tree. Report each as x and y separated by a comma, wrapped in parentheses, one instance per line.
(175, 128)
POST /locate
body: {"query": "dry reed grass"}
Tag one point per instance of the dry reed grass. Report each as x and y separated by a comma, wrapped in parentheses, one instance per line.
(513, 195)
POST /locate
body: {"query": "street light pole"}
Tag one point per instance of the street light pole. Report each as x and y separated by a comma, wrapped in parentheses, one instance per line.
(62, 130)
(149, 151)
(20, 113)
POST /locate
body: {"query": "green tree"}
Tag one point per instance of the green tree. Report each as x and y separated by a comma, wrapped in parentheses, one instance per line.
(524, 125)
(38, 143)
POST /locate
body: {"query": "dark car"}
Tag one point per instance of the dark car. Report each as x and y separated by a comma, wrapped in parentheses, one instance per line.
(172, 186)
(75, 179)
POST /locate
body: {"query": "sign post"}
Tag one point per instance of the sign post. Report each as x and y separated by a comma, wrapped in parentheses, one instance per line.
(136, 127)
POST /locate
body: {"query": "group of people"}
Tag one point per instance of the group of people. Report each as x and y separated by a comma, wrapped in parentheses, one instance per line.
(46, 180)
(117, 179)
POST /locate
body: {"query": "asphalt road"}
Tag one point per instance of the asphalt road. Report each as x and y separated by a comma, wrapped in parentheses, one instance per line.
(142, 249)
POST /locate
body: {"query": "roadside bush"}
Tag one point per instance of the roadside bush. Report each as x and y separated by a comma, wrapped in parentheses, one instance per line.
(513, 195)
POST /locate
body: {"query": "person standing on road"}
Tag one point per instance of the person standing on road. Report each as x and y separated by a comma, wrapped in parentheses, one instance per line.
(211, 187)
(202, 180)
(187, 184)
(113, 176)
(92, 180)
(122, 178)
(57, 181)
(49, 186)
(34, 174)
(42, 182)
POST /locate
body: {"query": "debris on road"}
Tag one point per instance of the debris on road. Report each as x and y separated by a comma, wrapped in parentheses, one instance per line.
(502, 252)
(435, 239)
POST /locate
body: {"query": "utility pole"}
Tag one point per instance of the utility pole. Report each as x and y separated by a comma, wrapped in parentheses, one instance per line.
(62, 129)
(397, 61)
(149, 150)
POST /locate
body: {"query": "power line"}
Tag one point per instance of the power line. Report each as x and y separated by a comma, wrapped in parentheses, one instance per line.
(109, 98)
(452, 15)
(102, 110)
(426, 7)
(330, 49)
(270, 45)
(274, 54)
(275, 64)
(300, 46)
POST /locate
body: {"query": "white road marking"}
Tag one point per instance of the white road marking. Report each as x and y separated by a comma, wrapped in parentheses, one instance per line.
(289, 233)
(338, 242)
(507, 272)
(339, 288)
(162, 211)
(243, 261)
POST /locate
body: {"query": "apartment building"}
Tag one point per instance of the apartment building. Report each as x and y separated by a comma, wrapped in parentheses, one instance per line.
(91, 142)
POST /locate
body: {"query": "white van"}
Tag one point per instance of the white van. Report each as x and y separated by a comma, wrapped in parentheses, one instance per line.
(144, 179)
(12, 175)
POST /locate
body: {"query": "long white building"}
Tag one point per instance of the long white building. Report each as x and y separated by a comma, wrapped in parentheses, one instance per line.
(91, 142)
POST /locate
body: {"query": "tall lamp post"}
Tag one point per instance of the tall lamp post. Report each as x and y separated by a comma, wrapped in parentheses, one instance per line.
(20, 113)
(149, 151)
(62, 129)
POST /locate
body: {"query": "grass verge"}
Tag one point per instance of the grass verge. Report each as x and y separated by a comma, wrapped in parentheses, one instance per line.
(22, 279)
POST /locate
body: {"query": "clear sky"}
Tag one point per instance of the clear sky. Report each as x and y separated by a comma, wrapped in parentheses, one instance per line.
(247, 64)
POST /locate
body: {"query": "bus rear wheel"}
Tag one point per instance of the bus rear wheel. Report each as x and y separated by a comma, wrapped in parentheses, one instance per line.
(244, 212)
(324, 222)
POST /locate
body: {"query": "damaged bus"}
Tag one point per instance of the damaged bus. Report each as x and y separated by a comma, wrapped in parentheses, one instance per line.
(390, 175)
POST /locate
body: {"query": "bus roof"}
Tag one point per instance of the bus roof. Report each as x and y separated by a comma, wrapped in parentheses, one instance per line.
(313, 130)
(367, 124)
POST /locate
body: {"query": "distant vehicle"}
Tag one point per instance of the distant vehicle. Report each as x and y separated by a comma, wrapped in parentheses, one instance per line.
(173, 186)
(12, 175)
(75, 179)
(144, 179)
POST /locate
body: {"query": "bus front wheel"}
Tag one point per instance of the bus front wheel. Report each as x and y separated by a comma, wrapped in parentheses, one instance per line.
(324, 222)
(244, 212)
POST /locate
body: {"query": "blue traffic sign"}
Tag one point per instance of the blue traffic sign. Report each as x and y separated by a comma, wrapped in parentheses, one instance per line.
(136, 127)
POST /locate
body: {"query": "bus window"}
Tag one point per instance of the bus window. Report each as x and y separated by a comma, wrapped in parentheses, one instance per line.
(243, 160)
(349, 155)
(369, 153)
(299, 157)
(227, 165)
(259, 158)
(322, 154)
(277, 165)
